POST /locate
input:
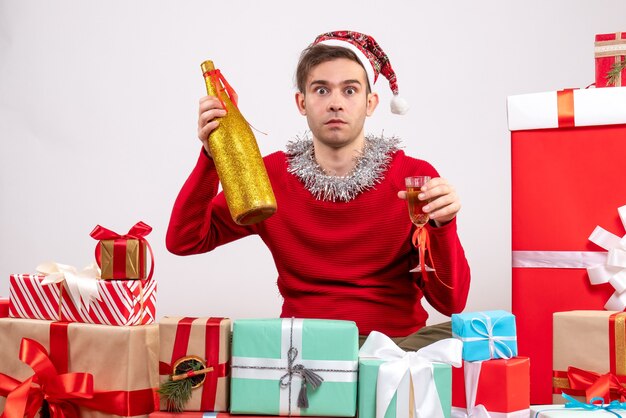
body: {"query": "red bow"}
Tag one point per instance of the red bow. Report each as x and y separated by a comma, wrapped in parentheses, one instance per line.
(138, 232)
(421, 240)
(61, 391)
(66, 392)
(596, 385)
(218, 80)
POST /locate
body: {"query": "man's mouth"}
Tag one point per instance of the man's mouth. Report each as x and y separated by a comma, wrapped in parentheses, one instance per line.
(335, 122)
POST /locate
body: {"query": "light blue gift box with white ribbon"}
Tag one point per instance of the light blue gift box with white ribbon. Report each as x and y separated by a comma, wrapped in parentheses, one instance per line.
(294, 367)
(486, 335)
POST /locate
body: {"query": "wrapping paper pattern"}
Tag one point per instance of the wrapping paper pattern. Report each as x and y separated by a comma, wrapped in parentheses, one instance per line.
(610, 49)
(261, 381)
(209, 339)
(123, 302)
(119, 358)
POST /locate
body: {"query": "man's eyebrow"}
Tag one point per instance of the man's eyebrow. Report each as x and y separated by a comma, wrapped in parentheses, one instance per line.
(325, 83)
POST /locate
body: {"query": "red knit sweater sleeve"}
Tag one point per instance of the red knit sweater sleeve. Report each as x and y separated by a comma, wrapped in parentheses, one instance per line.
(200, 219)
(451, 268)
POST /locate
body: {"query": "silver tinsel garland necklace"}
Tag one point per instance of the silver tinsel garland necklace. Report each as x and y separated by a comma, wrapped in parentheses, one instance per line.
(369, 170)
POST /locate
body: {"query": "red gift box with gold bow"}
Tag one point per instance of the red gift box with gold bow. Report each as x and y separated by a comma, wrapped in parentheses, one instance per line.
(567, 157)
(206, 340)
(610, 55)
(79, 370)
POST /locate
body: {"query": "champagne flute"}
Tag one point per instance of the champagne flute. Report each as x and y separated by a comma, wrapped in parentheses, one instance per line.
(418, 217)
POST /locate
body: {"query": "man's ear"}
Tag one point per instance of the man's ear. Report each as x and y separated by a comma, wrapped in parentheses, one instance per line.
(372, 102)
(300, 103)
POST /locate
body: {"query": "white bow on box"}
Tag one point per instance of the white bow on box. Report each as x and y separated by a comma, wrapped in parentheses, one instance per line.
(471, 372)
(419, 366)
(613, 270)
(82, 286)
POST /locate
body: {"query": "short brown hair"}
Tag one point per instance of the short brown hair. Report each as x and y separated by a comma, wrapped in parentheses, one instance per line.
(319, 53)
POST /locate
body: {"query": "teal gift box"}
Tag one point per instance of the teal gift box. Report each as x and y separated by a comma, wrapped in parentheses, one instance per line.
(294, 367)
(401, 402)
(394, 383)
(486, 335)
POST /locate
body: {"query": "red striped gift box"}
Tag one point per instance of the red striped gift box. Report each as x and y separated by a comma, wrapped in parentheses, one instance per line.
(122, 302)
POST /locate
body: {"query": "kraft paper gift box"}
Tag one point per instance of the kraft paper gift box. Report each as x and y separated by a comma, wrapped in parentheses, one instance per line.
(272, 356)
(120, 362)
(111, 302)
(398, 384)
(123, 256)
(564, 145)
(485, 335)
(207, 339)
(610, 50)
(4, 307)
(501, 387)
(589, 355)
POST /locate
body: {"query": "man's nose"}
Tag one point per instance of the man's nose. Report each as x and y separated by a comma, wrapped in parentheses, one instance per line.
(335, 103)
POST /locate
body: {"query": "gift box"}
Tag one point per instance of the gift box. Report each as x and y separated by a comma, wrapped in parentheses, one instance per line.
(398, 384)
(202, 340)
(589, 355)
(4, 307)
(562, 144)
(501, 387)
(113, 371)
(188, 414)
(123, 256)
(610, 51)
(582, 411)
(112, 302)
(294, 367)
(485, 335)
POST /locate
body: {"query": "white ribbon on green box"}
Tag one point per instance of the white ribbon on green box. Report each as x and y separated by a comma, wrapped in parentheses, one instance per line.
(272, 359)
(392, 372)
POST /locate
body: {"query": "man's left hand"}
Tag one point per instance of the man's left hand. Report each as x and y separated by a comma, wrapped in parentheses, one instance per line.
(443, 202)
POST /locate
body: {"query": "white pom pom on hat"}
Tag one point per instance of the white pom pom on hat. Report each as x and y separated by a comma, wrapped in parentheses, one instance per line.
(373, 58)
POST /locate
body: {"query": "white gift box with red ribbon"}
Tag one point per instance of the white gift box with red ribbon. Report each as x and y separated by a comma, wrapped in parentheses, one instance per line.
(567, 108)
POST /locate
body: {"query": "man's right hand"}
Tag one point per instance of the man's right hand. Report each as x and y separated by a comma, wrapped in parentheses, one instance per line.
(210, 110)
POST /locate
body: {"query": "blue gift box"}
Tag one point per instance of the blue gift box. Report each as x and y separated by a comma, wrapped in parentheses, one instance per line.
(486, 335)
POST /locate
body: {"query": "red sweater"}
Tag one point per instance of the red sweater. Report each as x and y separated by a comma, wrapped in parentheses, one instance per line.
(335, 260)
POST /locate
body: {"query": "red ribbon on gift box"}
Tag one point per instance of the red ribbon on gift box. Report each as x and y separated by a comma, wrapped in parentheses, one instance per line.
(565, 108)
(64, 392)
(212, 351)
(610, 386)
(138, 232)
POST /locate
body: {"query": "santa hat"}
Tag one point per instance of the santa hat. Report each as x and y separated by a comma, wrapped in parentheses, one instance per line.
(373, 58)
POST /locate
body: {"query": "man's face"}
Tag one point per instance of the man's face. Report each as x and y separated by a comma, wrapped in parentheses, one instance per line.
(336, 102)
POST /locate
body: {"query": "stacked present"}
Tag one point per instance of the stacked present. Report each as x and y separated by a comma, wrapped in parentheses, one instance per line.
(78, 345)
(568, 222)
(493, 380)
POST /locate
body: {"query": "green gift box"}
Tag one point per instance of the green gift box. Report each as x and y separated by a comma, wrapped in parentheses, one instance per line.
(398, 384)
(294, 367)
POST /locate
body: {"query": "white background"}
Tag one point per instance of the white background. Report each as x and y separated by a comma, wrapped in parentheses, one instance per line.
(98, 107)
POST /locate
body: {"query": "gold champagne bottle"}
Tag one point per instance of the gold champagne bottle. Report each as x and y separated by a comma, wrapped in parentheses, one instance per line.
(239, 164)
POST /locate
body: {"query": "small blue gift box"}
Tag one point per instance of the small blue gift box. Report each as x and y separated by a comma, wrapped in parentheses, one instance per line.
(486, 335)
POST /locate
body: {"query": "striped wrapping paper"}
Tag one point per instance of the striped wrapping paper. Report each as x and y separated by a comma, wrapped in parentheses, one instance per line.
(123, 302)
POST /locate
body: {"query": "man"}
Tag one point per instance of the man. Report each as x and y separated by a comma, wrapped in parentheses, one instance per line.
(341, 237)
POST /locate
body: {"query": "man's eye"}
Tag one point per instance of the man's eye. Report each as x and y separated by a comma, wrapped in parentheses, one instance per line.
(321, 90)
(350, 91)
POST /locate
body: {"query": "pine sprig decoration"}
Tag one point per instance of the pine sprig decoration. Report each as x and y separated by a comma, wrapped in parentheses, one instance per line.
(176, 394)
(614, 73)
(177, 390)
